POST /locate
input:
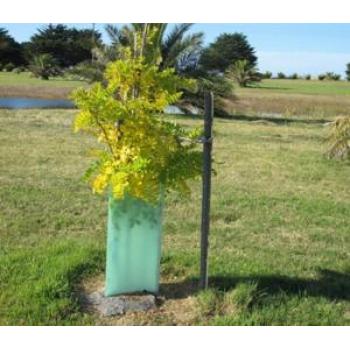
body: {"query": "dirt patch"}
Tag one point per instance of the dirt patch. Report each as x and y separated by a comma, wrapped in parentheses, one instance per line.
(176, 305)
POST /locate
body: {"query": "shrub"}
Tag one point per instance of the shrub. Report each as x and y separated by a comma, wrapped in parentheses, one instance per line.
(321, 77)
(281, 75)
(307, 77)
(294, 76)
(9, 67)
(339, 138)
(19, 69)
(267, 75)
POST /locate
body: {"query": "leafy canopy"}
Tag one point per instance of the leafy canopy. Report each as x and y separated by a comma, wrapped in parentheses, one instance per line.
(10, 50)
(242, 73)
(68, 46)
(142, 151)
(226, 50)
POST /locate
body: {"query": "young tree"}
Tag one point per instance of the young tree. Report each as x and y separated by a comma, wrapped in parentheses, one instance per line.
(241, 72)
(142, 152)
(226, 50)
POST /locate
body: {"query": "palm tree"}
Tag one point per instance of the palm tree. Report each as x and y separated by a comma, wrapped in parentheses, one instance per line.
(177, 48)
(171, 48)
(243, 73)
(44, 66)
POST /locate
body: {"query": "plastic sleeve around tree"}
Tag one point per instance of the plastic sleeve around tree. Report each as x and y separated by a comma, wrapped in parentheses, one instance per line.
(133, 246)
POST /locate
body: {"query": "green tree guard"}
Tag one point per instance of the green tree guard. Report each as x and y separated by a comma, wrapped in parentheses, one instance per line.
(133, 246)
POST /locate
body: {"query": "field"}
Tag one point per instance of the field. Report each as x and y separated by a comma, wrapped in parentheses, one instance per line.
(308, 99)
(279, 244)
(23, 85)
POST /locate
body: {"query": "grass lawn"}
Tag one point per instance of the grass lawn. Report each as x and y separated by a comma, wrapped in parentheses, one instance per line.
(23, 85)
(300, 86)
(308, 98)
(280, 240)
(24, 78)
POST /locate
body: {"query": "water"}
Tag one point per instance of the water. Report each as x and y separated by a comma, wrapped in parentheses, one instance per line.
(23, 103)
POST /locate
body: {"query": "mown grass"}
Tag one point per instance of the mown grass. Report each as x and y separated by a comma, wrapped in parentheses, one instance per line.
(301, 86)
(25, 78)
(279, 244)
(24, 85)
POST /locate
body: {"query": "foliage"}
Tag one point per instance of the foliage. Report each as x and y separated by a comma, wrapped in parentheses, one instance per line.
(170, 50)
(19, 70)
(10, 50)
(281, 75)
(8, 67)
(225, 51)
(266, 75)
(347, 72)
(329, 76)
(294, 76)
(307, 77)
(68, 46)
(243, 73)
(43, 66)
(142, 151)
(339, 138)
(221, 87)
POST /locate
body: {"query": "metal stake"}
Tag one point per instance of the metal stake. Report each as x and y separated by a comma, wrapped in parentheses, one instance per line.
(206, 178)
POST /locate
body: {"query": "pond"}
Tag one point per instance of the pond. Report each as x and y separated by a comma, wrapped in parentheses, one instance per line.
(24, 102)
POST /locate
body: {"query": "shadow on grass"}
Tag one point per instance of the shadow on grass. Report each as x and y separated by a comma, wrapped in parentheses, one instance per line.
(330, 284)
(259, 87)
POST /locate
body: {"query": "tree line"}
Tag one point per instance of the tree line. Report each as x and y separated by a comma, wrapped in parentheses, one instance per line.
(57, 49)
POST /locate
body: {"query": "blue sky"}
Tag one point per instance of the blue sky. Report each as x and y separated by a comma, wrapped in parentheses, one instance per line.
(301, 48)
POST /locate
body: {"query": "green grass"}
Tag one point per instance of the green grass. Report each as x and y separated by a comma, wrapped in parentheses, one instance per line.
(25, 79)
(307, 98)
(300, 86)
(279, 244)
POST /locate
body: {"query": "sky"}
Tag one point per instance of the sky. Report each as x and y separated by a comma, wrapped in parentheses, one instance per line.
(289, 48)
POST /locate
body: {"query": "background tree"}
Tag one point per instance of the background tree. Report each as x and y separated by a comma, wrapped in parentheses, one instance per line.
(329, 76)
(226, 50)
(294, 76)
(266, 75)
(170, 48)
(347, 72)
(68, 46)
(10, 50)
(174, 49)
(242, 73)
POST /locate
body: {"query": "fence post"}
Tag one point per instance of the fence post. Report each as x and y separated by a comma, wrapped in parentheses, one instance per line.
(206, 179)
